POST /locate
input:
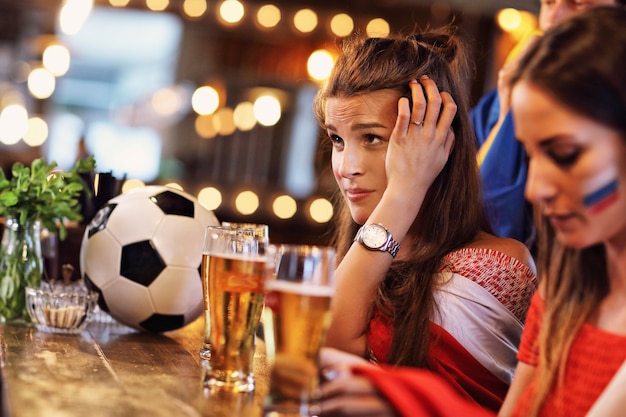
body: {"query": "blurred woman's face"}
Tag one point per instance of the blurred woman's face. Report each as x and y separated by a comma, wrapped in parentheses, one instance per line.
(359, 128)
(577, 169)
(553, 11)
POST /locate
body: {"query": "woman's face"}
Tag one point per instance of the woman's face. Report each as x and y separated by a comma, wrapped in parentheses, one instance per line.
(359, 128)
(577, 169)
(553, 11)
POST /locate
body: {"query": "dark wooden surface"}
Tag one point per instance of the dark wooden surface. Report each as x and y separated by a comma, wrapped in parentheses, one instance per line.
(112, 370)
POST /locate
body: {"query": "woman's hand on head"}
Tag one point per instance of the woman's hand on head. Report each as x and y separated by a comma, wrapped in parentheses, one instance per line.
(422, 138)
(346, 394)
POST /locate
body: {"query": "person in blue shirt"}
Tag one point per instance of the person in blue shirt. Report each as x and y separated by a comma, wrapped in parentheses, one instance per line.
(502, 160)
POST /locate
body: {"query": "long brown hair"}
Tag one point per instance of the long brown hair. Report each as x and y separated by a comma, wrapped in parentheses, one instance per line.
(581, 63)
(452, 213)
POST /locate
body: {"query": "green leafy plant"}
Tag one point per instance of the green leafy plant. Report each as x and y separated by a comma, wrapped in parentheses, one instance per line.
(41, 193)
(34, 195)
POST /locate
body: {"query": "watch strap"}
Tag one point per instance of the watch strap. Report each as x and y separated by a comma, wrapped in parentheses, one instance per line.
(392, 246)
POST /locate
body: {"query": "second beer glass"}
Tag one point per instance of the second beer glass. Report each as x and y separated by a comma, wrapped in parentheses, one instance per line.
(297, 316)
(233, 267)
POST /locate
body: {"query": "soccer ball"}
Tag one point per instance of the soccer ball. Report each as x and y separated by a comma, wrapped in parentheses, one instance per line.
(142, 253)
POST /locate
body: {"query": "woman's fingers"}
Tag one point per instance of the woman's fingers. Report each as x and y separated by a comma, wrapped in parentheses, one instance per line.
(419, 103)
(434, 109)
(421, 141)
(446, 117)
(349, 395)
(433, 102)
(293, 375)
(448, 145)
(331, 356)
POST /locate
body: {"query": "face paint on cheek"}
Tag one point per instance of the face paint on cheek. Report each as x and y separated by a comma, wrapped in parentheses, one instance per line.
(602, 198)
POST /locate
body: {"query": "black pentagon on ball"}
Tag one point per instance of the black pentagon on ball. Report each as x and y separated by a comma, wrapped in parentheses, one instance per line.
(141, 262)
(158, 323)
(171, 203)
(93, 287)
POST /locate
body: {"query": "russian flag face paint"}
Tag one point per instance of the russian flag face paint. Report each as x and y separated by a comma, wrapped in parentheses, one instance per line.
(602, 198)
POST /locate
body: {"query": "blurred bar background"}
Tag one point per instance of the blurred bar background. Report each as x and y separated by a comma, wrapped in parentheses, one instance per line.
(212, 97)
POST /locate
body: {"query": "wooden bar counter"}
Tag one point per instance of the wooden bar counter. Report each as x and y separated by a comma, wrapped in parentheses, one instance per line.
(112, 370)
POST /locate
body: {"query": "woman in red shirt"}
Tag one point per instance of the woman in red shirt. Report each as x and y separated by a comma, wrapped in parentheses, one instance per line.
(569, 102)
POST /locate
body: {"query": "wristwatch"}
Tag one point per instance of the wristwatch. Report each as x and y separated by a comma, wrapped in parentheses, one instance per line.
(377, 237)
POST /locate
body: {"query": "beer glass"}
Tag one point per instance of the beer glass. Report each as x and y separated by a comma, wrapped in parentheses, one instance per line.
(233, 268)
(260, 230)
(298, 290)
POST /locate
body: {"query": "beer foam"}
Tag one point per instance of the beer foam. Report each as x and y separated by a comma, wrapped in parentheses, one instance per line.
(248, 257)
(300, 288)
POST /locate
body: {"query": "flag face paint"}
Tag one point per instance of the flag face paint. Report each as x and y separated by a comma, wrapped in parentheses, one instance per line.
(602, 198)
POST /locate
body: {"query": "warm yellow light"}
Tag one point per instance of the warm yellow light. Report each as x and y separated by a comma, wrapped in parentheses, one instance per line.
(210, 198)
(321, 210)
(36, 133)
(56, 59)
(268, 16)
(13, 124)
(305, 20)
(119, 3)
(528, 24)
(205, 100)
(284, 207)
(226, 124)
(205, 127)
(194, 8)
(132, 184)
(175, 186)
(231, 11)
(41, 83)
(267, 110)
(247, 202)
(320, 64)
(377, 28)
(244, 116)
(157, 5)
(217, 123)
(509, 19)
(341, 25)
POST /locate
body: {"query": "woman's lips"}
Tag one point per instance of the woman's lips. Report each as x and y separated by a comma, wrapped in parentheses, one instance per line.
(561, 221)
(356, 195)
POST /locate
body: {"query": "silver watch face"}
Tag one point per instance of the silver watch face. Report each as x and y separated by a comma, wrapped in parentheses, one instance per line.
(374, 236)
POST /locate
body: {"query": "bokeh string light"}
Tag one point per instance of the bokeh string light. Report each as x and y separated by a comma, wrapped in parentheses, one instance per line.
(213, 117)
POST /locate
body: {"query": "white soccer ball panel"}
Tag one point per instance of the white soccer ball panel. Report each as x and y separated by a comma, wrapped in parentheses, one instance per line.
(101, 258)
(140, 193)
(134, 220)
(204, 216)
(128, 302)
(178, 291)
(179, 241)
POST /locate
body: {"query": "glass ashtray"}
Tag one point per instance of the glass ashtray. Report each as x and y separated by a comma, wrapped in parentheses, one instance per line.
(59, 311)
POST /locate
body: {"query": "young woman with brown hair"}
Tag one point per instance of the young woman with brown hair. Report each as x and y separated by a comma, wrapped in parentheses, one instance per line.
(421, 281)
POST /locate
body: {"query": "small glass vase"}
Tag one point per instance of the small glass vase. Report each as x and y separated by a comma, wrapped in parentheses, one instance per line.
(21, 266)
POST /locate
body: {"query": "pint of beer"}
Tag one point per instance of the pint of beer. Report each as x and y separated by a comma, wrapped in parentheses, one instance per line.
(297, 316)
(260, 230)
(233, 268)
